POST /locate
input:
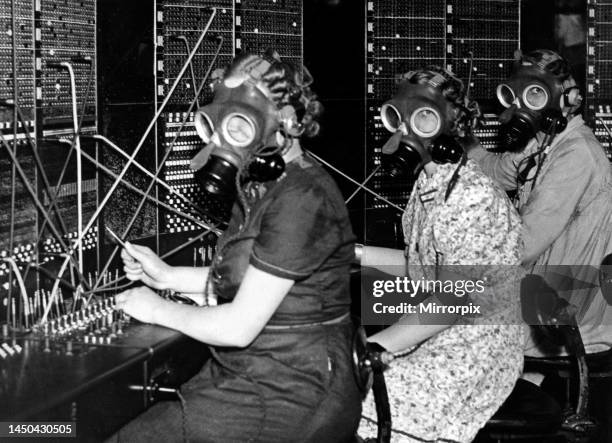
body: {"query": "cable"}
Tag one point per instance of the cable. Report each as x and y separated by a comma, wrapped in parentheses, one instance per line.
(602, 121)
(183, 413)
(380, 197)
(55, 290)
(22, 288)
(150, 197)
(79, 167)
(362, 184)
(31, 191)
(168, 150)
(53, 276)
(103, 288)
(53, 199)
(140, 144)
(13, 169)
(455, 177)
(193, 77)
(147, 172)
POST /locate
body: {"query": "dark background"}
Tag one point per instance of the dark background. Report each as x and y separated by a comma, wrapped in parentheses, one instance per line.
(334, 52)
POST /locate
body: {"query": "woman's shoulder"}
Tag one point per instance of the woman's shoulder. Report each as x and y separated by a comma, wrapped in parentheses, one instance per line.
(480, 207)
(305, 176)
(476, 186)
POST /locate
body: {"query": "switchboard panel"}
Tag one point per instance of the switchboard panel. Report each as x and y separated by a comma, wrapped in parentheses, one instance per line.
(238, 25)
(41, 43)
(598, 110)
(455, 34)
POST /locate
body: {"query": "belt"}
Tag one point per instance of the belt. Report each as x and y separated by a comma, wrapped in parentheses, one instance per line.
(332, 321)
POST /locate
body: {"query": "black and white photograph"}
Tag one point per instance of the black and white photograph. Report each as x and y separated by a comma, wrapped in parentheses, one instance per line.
(306, 221)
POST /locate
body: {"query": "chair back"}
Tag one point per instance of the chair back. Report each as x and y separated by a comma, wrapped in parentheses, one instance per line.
(605, 278)
(369, 366)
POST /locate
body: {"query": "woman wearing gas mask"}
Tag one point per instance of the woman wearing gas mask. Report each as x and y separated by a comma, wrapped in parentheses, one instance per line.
(281, 333)
(451, 372)
(562, 180)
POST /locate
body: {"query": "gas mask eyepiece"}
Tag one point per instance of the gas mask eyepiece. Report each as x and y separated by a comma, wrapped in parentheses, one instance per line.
(391, 117)
(204, 126)
(238, 130)
(534, 96)
(425, 122)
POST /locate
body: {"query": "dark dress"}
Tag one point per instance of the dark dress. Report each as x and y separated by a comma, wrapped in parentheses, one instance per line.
(295, 381)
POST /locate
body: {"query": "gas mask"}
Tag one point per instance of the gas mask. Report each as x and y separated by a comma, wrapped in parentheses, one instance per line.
(241, 129)
(536, 101)
(423, 122)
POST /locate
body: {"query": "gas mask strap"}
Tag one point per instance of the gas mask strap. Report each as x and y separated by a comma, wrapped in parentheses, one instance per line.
(553, 123)
(244, 204)
(455, 177)
(221, 247)
(534, 160)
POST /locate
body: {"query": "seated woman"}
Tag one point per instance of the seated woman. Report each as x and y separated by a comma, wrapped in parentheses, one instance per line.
(281, 333)
(451, 372)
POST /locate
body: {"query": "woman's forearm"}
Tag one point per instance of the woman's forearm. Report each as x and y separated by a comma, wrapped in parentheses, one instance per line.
(230, 324)
(387, 260)
(214, 325)
(413, 329)
(400, 337)
(188, 279)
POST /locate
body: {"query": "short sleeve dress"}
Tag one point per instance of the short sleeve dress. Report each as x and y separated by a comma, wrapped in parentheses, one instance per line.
(294, 382)
(450, 385)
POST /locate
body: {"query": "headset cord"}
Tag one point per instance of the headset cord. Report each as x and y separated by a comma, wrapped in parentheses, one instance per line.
(534, 160)
(184, 414)
(455, 177)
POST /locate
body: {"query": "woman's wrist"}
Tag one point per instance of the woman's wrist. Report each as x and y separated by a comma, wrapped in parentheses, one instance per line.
(169, 279)
(358, 253)
(159, 312)
(186, 279)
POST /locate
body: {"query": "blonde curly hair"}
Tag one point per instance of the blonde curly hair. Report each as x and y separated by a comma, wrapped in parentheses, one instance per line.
(287, 84)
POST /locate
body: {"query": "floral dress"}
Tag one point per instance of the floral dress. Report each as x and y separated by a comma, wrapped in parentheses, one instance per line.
(446, 388)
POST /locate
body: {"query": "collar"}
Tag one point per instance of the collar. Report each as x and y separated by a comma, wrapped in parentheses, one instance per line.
(294, 152)
(575, 122)
(428, 187)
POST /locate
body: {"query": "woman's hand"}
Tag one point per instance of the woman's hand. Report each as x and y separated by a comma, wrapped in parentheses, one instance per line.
(140, 303)
(141, 263)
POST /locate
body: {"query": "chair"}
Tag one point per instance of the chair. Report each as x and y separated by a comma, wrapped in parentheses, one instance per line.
(369, 365)
(591, 366)
(529, 413)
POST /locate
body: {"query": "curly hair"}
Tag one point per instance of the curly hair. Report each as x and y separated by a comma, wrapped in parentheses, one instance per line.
(287, 85)
(453, 90)
(549, 61)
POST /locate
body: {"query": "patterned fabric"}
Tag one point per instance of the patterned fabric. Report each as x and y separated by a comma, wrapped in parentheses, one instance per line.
(449, 386)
